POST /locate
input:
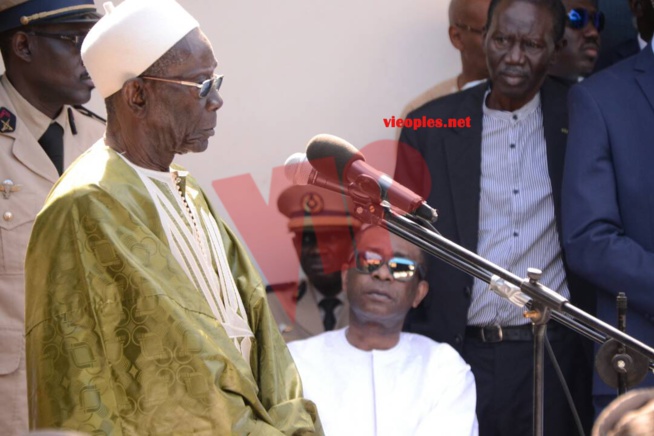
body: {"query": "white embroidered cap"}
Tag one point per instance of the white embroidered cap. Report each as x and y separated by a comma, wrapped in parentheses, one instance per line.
(130, 38)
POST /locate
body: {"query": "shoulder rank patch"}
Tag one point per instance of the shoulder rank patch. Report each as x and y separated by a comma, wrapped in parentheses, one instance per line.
(7, 120)
(84, 111)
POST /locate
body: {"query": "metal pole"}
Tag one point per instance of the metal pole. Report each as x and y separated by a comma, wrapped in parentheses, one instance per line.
(539, 378)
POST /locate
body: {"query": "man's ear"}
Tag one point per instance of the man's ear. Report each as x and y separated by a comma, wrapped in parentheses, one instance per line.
(21, 46)
(455, 37)
(421, 293)
(135, 96)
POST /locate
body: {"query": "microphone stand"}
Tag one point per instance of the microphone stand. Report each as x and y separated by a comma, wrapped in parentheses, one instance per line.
(542, 302)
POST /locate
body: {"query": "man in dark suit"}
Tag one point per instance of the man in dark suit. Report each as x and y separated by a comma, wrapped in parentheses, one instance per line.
(497, 186)
(608, 207)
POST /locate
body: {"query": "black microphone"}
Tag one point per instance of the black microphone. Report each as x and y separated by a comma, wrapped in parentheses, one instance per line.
(337, 160)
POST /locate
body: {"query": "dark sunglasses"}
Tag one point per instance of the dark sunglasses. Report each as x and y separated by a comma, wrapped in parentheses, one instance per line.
(578, 18)
(401, 268)
(76, 40)
(204, 87)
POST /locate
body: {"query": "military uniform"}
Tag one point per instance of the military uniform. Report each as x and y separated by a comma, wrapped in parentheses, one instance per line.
(295, 306)
(26, 176)
(302, 319)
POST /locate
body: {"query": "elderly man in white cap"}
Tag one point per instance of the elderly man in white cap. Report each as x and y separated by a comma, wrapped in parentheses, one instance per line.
(144, 313)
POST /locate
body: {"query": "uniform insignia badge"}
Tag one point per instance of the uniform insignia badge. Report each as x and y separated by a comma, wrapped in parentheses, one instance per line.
(7, 120)
(7, 187)
(312, 203)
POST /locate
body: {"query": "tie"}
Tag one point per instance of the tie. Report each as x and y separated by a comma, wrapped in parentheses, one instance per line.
(328, 305)
(52, 142)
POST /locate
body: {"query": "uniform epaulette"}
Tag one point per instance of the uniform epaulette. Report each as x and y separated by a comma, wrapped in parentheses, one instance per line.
(84, 111)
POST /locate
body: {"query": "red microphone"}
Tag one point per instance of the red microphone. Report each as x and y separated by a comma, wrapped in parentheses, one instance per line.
(339, 161)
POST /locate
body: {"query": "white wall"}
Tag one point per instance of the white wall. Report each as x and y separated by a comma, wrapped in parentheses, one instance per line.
(295, 68)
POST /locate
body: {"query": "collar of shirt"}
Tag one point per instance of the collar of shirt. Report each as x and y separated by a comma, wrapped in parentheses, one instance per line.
(398, 351)
(517, 115)
(642, 43)
(36, 121)
(162, 176)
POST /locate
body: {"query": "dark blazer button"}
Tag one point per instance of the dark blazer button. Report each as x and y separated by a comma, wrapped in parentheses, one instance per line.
(467, 291)
(458, 339)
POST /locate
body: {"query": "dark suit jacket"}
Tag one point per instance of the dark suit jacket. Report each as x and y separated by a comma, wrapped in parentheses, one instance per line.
(452, 185)
(608, 200)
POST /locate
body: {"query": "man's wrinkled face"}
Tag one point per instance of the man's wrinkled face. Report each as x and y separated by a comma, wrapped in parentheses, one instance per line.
(519, 49)
(582, 48)
(182, 122)
(322, 253)
(56, 66)
(378, 296)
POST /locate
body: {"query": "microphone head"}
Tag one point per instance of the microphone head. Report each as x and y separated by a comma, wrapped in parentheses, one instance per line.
(297, 169)
(331, 155)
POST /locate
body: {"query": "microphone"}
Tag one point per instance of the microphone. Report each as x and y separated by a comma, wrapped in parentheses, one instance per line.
(298, 171)
(338, 160)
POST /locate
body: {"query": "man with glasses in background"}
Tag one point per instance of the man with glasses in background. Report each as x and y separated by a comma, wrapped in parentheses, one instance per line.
(467, 21)
(577, 58)
(144, 313)
(371, 378)
(42, 130)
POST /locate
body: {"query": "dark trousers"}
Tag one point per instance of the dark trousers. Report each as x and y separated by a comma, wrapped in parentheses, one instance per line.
(504, 378)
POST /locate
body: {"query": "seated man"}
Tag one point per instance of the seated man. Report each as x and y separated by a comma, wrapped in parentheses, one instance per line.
(371, 378)
(323, 228)
(144, 314)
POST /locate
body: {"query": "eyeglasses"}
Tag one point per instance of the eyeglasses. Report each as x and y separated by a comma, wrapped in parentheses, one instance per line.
(76, 40)
(401, 268)
(578, 18)
(469, 28)
(204, 87)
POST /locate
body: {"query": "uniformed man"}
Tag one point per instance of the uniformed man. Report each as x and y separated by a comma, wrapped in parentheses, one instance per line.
(323, 230)
(41, 132)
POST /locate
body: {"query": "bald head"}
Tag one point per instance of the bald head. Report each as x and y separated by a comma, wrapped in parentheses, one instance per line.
(461, 11)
